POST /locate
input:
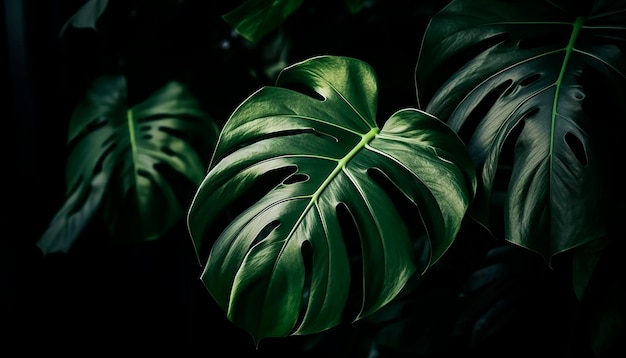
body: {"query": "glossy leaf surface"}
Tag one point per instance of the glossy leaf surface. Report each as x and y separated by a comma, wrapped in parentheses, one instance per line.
(281, 264)
(536, 90)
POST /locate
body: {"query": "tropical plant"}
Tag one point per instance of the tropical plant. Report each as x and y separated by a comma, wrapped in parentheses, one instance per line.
(126, 151)
(438, 230)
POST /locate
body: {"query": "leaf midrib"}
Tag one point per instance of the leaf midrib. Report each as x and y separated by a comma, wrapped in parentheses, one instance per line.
(130, 119)
(577, 26)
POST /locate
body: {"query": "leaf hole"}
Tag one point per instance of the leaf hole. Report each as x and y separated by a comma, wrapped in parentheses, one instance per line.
(526, 81)
(352, 240)
(92, 127)
(251, 195)
(84, 195)
(409, 213)
(296, 178)
(286, 133)
(173, 132)
(305, 90)
(577, 147)
(168, 151)
(577, 94)
(464, 57)
(482, 108)
(502, 179)
(507, 158)
(507, 153)
(143, 173)
(328, 137)
(105, 154)
(529, 79)
(265, 231)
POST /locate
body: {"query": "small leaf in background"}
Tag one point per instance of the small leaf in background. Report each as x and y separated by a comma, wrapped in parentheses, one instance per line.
(87, 16)
(322, 184)
(131, 162)
(256, 18)
(355, 5)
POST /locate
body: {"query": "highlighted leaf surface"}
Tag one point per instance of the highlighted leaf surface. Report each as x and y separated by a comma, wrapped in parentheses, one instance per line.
(281, 263)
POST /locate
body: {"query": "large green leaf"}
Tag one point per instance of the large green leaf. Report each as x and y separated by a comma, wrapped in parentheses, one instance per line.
(281, 265)
(127, 161)
(536, 91)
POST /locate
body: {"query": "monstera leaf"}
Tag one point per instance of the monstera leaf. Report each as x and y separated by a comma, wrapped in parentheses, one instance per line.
(127, 161)
(535, 90)
(308, 179)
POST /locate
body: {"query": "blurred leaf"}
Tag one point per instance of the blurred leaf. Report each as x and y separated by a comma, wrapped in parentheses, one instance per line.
(87, 16)
(122, 157)
(254, 19)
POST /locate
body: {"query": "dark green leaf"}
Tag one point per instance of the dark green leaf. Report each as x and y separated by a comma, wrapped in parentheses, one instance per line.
(132, 154)
(534, 90)
(304, 156)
